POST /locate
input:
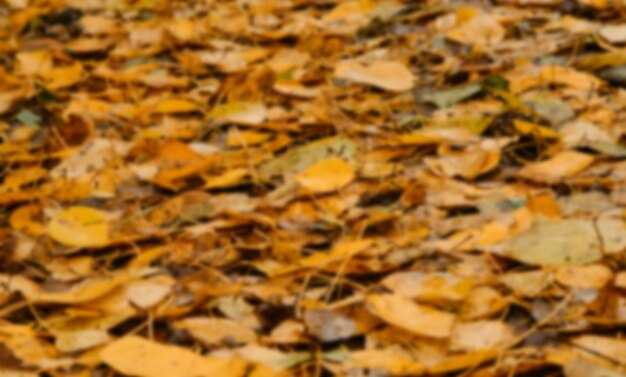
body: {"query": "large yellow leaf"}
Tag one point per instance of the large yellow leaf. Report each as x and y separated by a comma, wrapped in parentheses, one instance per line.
(79, 226)
(325, 176)
(564, 164)
(392, 76)
(136, 356)
(568, 242)
(404, 313)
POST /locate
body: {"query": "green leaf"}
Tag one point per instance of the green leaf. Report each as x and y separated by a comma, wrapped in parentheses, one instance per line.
(449, 97)
(337, 355)
(45, 94)
(29, 118)
(614, 74)
(550, 108)
(292, 359)
(287, 75)
(473, 123)
(608, 149)
(495, 82)
(556, 243)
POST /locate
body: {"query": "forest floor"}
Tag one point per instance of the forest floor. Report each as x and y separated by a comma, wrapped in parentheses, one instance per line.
(312, 188)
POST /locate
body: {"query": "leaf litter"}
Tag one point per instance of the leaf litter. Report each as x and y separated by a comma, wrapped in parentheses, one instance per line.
(277, 188)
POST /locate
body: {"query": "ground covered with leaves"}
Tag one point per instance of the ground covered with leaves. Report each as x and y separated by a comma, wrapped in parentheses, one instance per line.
(312, 188)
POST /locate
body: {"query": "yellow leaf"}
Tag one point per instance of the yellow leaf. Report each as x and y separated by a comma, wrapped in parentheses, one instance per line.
(63, 77)
(217, 331)
(465, 13)
(248, 113)
(392, 76)
(592, 276)
(556, 74)
(25, 219)
(32, 63)
(227, 179)
(73, 341)
(393, 360)
(461, 361)
(15, 180)
(529, 128)
(326, 175)
(610, 347)
(79, 226)
(478, 29)
(237, 138)
(184, 30)
(87, 290)
(405, 314)
(429, 286)
(175, 106)
(141, 357)
(480, 335)
(294, 88)
(564, 164)
(146, 294)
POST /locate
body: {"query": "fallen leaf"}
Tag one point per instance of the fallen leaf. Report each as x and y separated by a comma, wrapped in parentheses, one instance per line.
(560, 243)
(434, 288)
(593, 276)
(137, 356)
(217, 331)
(246, 113)
(392, 76)
(556, 74)
(407, 315)
(79, 226)
(274, 359)
(175, 106)
(326, 175)
(480, 30)
(80, 340)
(449, 97)
(608, 347)
(613, 33)
(480, 335)
(148, 293)
(390, 360)
(298, 159)
(564, 164)
(582, 368)
(329, 326)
